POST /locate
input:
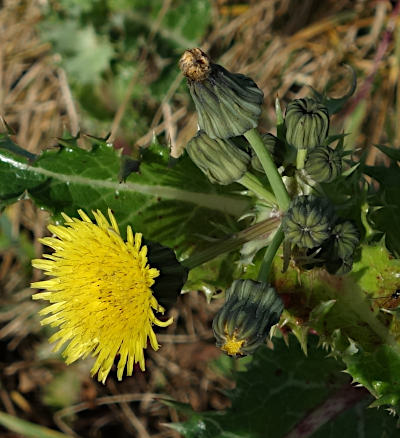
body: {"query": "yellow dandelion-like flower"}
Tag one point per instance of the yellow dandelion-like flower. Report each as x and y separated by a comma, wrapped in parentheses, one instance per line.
(100, 293)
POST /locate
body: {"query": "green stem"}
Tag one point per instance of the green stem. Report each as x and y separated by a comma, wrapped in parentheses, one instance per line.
(301, 158)
(368, 229)
(261, 229)
(269, 255)
(252, 183)
(279, 189)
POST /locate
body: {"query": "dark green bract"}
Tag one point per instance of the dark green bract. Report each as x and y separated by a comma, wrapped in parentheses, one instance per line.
(221, 160)
(251, 308)
(307, 123)
(168, 285)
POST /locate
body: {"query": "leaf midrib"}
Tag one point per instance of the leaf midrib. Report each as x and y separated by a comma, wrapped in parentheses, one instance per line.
(222, 203)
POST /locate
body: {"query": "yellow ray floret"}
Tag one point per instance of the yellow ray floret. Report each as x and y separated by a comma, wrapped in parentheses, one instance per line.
(100, 293)
(233, 346)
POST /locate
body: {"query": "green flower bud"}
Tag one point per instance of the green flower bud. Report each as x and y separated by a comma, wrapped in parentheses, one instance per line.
(345, 238)
(307, 123)
(243, 323)
(221, 160)
(275, 147)
(340, 266)
(307, 222)
(323, 164)
(168, 285)
(228, 104)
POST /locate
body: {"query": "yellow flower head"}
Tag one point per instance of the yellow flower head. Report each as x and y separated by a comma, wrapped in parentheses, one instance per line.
(100, 293)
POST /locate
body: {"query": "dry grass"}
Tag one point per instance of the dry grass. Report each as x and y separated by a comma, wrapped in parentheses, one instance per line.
(285, 49)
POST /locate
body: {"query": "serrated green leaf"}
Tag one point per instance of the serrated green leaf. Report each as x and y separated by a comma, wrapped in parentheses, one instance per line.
(279, 389)
(379, 372)
(170, 205)
(306, 290)
(276, 391)
(376, 271)
(350, 323)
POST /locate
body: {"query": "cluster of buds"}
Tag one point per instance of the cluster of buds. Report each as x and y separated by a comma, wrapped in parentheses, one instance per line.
(307, 128)
(228, 107)
(311, 224)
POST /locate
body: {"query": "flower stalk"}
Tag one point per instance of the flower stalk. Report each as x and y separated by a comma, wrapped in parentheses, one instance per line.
(277, 185)
(252, 183)
(301, 158)
(261, 229)
(269, 255)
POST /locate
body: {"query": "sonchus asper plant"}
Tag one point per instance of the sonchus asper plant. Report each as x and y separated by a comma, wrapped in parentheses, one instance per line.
(321, 249)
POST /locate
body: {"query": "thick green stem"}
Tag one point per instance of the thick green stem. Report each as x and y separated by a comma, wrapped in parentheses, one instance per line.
(279, 189)
(301, 158)
(263, 228)
(252, 183)
(269, 255)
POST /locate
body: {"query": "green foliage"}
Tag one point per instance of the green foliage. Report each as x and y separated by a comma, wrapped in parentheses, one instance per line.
(361, 422)
(346, 319)
(277, 390)
(379, 372)
(173, 205)
(385, 214)
(101, 44)
(215, 275)
(172, 202)
(376, 271)
(28, 429)
(85, 54)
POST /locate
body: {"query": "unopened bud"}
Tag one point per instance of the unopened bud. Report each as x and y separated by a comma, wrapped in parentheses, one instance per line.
(243, 323)
(221, 160)
(228, 104)
(308, 221)
(307, 123)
